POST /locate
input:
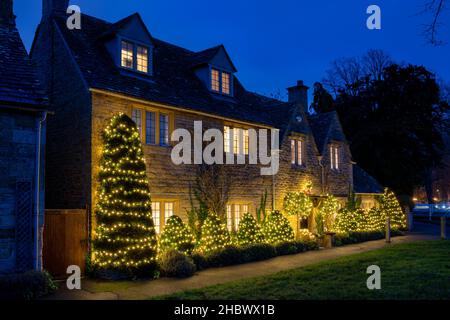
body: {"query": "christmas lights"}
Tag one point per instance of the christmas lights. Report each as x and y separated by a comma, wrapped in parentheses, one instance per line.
(277, 229)
(391, 208)
(176, 236)
(215, 235)
(249, 231)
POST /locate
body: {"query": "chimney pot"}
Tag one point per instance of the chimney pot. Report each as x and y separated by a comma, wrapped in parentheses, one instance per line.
(298, 94)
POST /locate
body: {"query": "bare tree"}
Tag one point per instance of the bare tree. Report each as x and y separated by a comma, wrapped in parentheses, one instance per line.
(374, 62)
(436, 9)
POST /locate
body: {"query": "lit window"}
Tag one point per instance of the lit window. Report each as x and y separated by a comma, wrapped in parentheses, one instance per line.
(293, 151)
(245, 208)
(142, 59)
(236, 134)
(156, 214)
(150, 128)
(225, 83)
(164, 129)
(215, 82)
(136, 116)
(334, 157)
(299, 152)
(237, 216)
(229, 218)
(246, 142)
(226, 139)
(168, 211)
(127, 55)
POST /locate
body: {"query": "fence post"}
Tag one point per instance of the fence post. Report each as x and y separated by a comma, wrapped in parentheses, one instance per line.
(388, 229)
(443, 227)
(410, 218)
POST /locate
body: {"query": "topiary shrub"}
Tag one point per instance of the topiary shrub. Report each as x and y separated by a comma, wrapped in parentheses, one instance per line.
(376, 220)
(249, 232)
(286, 248)
(258, 252)
(227, 256)
(215, 235)
(176, 236)
(200, 261)
(277, 229)
(176, 264)
(26, 286)
(391, 208)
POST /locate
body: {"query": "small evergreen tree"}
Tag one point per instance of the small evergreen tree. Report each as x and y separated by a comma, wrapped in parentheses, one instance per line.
(344, 222)
(125, 235)
(176, 236)
(298, 204)
(376, 220)
(391, 208)
(249, 232)
(277, 229)
(215, 235)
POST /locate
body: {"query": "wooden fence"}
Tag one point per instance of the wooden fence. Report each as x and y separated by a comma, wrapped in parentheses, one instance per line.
(65, 240)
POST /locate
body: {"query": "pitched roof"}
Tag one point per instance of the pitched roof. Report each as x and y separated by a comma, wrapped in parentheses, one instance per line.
(326, 127)
(18, 77)
(364, 182)
(173, 82)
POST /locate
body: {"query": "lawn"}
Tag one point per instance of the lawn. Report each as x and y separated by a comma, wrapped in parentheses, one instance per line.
(418, 270)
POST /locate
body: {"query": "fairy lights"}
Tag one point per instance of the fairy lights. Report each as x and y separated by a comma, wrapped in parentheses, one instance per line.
(277, 229)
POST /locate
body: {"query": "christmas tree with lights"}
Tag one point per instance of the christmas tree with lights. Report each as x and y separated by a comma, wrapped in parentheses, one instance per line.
(215, 235)
(176, 236)
(391, 208)
(125, 238)
(249, 232)
(277, 229)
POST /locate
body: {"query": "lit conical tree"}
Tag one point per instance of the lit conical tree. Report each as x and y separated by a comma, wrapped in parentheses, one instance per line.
(249, 231)
(215, 235)
(125, 235)
(277, 229)
(176, 236)
(391, 208)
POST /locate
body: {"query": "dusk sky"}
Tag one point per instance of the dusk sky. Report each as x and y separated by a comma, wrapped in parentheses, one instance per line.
(274, 43)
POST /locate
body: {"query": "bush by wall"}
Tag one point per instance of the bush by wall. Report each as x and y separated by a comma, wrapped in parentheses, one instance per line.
(249, 231)
(26, 286)
(176, 236)
(277, 229)
(176, 264)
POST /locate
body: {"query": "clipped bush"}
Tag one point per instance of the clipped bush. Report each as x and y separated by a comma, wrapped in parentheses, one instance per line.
(200, 261)
(391, 208)
(176, 236)
(26, 286)
(376, 220)
(277, 229)
(258, 252)
(249, 232)
(286, 248)
(173, 263)
(215, 235)
(227, 256)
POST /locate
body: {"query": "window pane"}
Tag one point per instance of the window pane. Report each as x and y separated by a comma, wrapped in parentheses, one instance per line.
(156, 214)
(245, 208)
(127, 55)
(164, 129)
(336, 158)
(142, 59)
(136, 116)
(300, 152)
(237, 216)
(225, 83)
(168, 210)
(215, 83)
(150, 128)
(226, 139)
(245, 141)
(236, 134)
(229, 218)
(293, 151)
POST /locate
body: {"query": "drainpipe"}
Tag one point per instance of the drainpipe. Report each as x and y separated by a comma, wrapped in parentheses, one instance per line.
(38, 231)
(322, 174)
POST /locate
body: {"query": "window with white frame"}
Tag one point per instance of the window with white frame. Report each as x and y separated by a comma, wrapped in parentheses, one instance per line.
(234, 215)
(168, 210)
(297, 152)
(156, 215)
(229, 217)
(334, 157)
(237, 216)
(226, 139)
(221, 81)
(161, 211)
(134, 57)
(236, 135)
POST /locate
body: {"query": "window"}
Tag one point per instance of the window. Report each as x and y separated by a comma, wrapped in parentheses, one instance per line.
(163, 129)
(229, 218)
(236, 146)
(127, 55)
(220, 81)
(137, 118)
(226, 139)
(334, 157)
(245, 208)
(215, 82)
(246, 142)
(142, 59)
(150, 128)
(156, 214)
(168, 211)
(237, 216)
(297, 152)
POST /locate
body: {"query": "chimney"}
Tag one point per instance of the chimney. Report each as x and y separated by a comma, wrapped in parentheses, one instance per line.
(54, 7)
(7, 16)
(298, 94)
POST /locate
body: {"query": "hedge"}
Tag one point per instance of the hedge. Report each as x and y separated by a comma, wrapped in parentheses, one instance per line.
(358, 237)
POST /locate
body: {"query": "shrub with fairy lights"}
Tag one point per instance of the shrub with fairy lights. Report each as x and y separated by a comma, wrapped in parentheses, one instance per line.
(328, 211)
(176, 236)
(298, 204)
(277, 229)
(125, 236)
(215, 235)
(352, 221)
(376, 220)
(391, 208)
(249, 232)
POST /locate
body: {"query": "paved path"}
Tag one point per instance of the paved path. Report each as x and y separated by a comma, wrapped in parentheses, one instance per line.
(146, 289)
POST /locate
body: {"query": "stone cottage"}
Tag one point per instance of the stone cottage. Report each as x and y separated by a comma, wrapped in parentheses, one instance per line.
(105, 68)
(22, 142)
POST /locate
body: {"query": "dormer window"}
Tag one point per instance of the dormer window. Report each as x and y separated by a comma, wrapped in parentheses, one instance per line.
(220, 81)
(334, 157)
(134, 56)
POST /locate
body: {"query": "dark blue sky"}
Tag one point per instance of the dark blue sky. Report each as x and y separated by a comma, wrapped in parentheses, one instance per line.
(273, 43)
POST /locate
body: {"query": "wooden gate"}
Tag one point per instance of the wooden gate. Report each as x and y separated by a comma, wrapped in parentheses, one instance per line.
(65, 240)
